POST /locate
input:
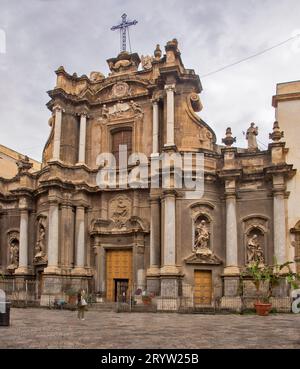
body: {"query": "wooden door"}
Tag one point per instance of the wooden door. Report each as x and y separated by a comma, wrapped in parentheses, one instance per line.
(202, 287)
(123, 137)
(118, 267)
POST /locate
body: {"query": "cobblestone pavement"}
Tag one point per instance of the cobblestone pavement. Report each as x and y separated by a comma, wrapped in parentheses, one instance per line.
(42, 328)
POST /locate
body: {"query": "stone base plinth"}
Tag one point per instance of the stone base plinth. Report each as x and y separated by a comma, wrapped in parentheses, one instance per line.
(52, 270)
(169, 270)
(79, 271)
(232, 286)
(231, 270)
(23, 271)
(168, 304)
(153, 285)
(233, 304)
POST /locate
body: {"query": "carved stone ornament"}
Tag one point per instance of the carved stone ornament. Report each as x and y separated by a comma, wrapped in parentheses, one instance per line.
(146, 62)
(120, 210)
(13, 245)
(96, 76)
(254, 251)
(121, 109)
(276, 135)
(203, 259)
(40, 256)
(202, 238)
(120, 89)
(228, 140)
(24, 165)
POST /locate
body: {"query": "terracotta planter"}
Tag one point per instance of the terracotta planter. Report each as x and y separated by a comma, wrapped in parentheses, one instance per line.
(72, 300)
(146, 301)
(262, 309)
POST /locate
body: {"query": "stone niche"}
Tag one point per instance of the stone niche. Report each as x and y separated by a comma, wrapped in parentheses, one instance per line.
(13, 245)
(255, 231)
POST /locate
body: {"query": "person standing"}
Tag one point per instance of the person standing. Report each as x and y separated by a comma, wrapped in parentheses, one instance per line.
(81, 304)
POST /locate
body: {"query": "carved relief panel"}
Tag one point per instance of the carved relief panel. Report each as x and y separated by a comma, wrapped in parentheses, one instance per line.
(119, 210)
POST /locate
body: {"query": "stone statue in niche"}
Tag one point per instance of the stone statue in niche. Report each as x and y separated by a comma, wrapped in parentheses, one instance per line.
(40, 246)
(202, 238)
(13, 254)
(254, 251)
(251, 134)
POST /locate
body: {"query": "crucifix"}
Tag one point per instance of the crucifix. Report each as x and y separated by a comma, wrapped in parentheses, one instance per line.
(123, 26)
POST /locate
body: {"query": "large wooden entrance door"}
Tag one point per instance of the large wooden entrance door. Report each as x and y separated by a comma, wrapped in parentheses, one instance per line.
(118, 273)
(202, 287)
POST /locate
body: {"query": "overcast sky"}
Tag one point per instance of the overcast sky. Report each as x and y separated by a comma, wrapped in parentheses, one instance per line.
(41, 35)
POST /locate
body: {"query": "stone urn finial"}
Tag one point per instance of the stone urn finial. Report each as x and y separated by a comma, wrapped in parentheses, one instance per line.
(276, 135)
(157, 52)
(228, 140)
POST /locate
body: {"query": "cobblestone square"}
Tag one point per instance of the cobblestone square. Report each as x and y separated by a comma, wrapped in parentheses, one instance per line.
(42, 328)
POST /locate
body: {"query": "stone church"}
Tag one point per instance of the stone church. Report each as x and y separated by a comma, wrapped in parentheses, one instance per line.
(60, 228)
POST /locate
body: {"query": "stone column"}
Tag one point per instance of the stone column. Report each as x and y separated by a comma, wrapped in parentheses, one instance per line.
(153, 272)
(23, 244)
(279, 227)
(53, 238)
(57, 133)
(67, 236)
(170, 115)
(169, 258)
(155, 127)
(231, 235)
(155, 235)
(82, 139)
(80, 240)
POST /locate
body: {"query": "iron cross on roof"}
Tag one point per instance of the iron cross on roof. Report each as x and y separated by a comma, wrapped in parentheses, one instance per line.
(123, 26)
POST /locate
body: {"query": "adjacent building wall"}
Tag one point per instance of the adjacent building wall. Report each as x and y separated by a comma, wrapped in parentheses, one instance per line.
(287, 113)
(8, 159)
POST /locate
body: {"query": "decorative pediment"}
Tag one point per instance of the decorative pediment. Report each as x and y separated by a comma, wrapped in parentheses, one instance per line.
(203, 259)
(132, 225)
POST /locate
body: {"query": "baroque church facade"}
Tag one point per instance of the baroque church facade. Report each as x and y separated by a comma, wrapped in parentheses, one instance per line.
(60, 228)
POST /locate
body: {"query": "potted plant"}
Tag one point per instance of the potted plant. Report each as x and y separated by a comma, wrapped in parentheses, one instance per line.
(146, 298)
(269, 277)
(72, 295)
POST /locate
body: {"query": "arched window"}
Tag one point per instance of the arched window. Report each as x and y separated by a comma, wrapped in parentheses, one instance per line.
(121, 138)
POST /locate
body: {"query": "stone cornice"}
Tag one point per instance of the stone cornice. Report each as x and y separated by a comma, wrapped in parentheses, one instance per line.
(76, 101)
(285, 97)
(285, 169)
(230, 173)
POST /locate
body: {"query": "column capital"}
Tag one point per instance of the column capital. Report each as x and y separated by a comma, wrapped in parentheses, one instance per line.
(23, 204)
(155, 100)
(277, 191)
(169, 193)
(154, 200)
(170, 87)
(83, 113)
(231, 194)
(58, 108)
